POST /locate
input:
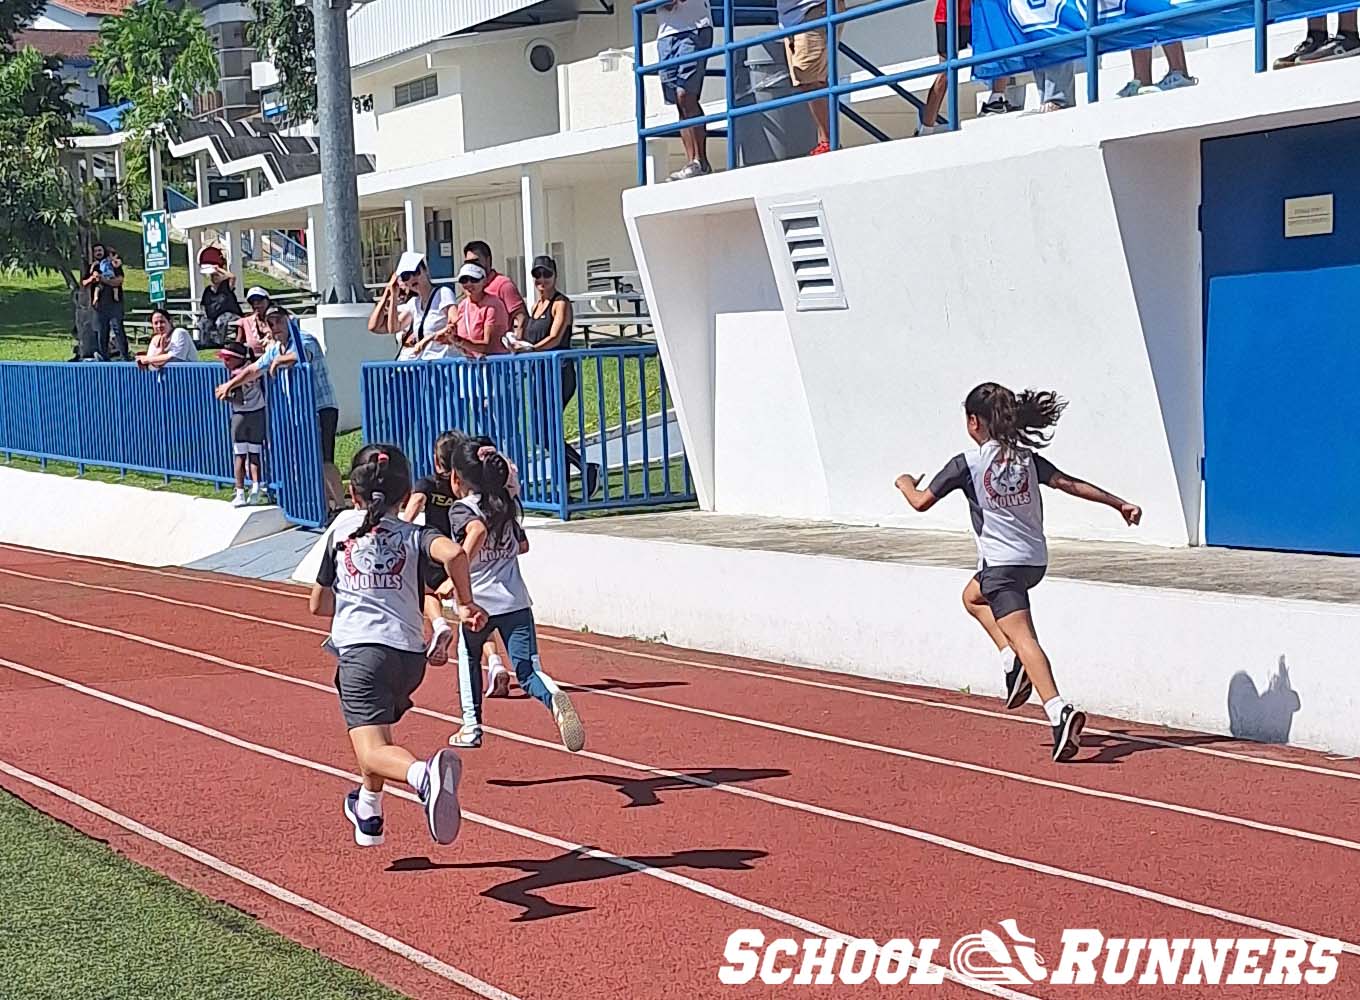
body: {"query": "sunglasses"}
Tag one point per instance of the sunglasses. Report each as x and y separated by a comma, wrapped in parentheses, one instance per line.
(543, 272)
(406, 275)
(467, 281)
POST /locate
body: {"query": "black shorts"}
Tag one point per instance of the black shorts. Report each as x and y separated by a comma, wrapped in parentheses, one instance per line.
(965, 33)
(434, 575)
(1006, 588)
(376, 683)
(329, 418)
(247, 432)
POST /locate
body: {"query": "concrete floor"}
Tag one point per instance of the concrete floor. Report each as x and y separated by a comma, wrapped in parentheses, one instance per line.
(1334, 579)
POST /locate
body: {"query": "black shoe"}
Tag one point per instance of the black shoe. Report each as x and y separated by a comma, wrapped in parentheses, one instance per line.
(997, 105)
(592, 480)
(1067, 734)
(1339, 46)
(1310, 44)
(1018, 685)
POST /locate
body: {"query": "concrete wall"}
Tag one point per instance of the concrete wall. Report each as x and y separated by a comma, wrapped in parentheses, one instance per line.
(416, 133)
(1056, 252)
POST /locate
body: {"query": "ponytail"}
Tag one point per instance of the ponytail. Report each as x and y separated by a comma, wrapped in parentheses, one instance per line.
(381, 476)
(1015, 422)
(484, 468)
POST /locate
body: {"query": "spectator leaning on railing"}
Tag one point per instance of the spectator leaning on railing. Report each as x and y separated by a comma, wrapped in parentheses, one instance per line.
(169, 343)
(479, 319)
(248, 424)
(479, 252)
(288, 345)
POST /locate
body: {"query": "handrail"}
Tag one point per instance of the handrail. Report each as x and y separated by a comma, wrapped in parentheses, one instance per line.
(1092, 34)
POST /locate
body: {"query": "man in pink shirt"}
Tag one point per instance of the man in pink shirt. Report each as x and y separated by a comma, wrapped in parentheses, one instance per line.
(480, 318)
(479, 252)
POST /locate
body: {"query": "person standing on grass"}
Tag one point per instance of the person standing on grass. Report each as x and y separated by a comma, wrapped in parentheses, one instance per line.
(370, 586)
(108, 306)
(683, 28)
(169, 343)
(486, 521)
(248, 424)
(288, 345)
(1001, 480)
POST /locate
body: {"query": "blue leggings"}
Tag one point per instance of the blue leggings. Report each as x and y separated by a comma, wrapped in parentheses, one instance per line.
(521, 642)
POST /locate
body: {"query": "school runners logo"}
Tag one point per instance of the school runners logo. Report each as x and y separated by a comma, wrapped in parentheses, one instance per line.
(1007, 484)
(375, 561)
(1012, 958)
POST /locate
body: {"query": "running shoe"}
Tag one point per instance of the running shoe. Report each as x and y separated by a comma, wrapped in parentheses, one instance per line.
(438, 653)
(1175, 80)
(238, 499)
(1067, 733)
(1018, 685)
(568, 722)
(500, 681)
(692, 169)
(367, 832)
(467, 738)
(439, 796)
(997, 104)
(1339, 46)
(1307, 47)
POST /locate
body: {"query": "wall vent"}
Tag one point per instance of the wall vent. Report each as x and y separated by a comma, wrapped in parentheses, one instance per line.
(811, 262)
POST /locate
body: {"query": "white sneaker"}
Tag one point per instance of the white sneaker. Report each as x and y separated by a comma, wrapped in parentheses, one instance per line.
(440, 796)
(257, 496)
(1132, 89)
(438, 653)
(1175, 80)
(498, 684)
(238, 499)
(568, 722)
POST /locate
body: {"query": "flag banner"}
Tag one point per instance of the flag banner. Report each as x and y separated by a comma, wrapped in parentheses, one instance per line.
(1003, 24)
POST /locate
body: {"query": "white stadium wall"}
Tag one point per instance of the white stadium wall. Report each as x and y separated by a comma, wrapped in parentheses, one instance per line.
(1055, 251)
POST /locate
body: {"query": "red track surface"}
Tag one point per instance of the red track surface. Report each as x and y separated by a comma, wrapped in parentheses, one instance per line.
(868, 809)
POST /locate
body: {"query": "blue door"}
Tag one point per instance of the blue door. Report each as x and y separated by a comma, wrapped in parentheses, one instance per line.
(1282, 338)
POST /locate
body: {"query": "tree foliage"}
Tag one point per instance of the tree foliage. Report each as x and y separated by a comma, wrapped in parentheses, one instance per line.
(283, 34)
(15, 16)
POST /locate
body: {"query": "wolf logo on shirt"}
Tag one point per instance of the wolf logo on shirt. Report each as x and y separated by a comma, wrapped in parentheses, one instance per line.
(1007, 483)
(375, 561)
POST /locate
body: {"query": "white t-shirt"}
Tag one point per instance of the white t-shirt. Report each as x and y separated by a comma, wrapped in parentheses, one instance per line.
(425, 322)
(683, 15)
(181, 345)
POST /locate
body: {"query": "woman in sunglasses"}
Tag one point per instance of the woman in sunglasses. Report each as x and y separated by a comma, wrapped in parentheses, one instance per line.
(422, 320)
(478, 319)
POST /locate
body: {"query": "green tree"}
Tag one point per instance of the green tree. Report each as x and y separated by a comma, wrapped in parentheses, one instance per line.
(159, 58)
(15, 16)
(282, 33)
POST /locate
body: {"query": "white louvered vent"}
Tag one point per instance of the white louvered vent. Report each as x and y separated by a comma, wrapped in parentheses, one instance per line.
(809, 257)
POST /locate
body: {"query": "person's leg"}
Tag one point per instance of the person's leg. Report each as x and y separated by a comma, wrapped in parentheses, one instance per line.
(239, 460)
(120, 341)
(976, 605)
(1142, 66)
(1057, 86)
(522, 643)
(102, 326)
(807, 61)
(441, 632)
(1066, 720)
(329, 419)
(1017, 684)
(203, 327)
(470, 645)
(930, 114)
(1314, 39)
(1175, 57)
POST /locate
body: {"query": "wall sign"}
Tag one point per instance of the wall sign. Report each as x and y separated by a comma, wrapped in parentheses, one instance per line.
(1310, 216)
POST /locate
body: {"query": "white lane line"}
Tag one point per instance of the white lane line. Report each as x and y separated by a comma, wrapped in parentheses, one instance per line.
(693, 885)
(844, 687)
(903, 831)
(397, 947)
(899, 752)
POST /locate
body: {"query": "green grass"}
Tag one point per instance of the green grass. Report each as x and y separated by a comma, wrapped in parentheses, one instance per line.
(78, 922)
(35, 312)
(605, 381)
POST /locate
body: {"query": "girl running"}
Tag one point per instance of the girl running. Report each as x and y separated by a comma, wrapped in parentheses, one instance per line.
(486, 521)
(1000, 480)
(370, 585)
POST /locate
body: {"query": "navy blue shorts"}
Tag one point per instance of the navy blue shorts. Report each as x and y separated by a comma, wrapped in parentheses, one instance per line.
(688, 77)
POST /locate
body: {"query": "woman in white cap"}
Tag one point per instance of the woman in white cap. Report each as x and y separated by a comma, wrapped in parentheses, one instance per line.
(421, 321)
(481, 318)
(253, 330)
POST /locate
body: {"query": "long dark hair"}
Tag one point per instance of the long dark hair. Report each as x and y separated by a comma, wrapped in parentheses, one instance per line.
(486, 470)
(1015, 422)
(381, 476)
(448, 443)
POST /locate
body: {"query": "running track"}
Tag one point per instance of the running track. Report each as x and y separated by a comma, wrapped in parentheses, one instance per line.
(189, 720)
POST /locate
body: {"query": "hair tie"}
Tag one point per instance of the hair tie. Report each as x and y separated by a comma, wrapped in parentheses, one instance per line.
(485, 452)
(382, 458)
(379, 498)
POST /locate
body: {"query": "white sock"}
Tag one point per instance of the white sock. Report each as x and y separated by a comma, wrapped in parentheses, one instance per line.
(1007, 659)
(440, 624)
(494, 663)
(1054, 709)
(369, 805)
(415, 775)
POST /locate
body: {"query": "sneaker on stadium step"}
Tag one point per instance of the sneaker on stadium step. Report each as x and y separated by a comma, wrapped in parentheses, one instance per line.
(1339, 46)
(996, 105)
(1018, 685)
(568, 722)
(367, 832)
(1067, 734)
(1175, 80)
(238, 499)
(1310, 44)
(692, 169)
(1132, 89)
(439, 796)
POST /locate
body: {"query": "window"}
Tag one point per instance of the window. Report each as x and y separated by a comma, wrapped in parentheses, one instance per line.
(814, 277)
(417, 90)
(382, 238)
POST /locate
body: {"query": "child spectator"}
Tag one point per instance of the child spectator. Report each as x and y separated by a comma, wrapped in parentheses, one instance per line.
(248, 422)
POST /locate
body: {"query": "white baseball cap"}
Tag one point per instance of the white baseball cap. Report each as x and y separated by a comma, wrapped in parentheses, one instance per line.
(471, 270)
(411, 260)
(256, 292)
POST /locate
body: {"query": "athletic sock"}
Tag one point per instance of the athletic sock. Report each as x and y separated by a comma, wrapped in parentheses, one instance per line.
(440, 624)
(369, 805)
(1054, 709)
(1007, 659)
(415, 775)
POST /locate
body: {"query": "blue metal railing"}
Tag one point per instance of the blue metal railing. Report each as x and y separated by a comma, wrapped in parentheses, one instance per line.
(619, 421)
(1095, 37)
(166, 423)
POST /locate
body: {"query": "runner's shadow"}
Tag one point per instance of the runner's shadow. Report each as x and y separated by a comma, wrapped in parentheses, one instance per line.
(614, 684)
(644, 791)
(1122, 743)
(576, 867)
